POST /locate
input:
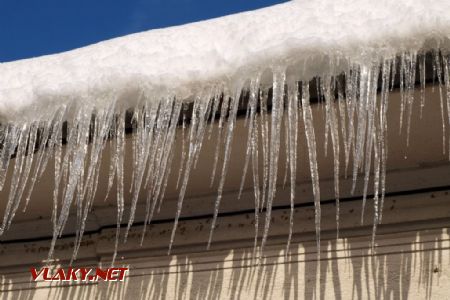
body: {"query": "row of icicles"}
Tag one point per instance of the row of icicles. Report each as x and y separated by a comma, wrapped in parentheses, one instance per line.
(356, 104)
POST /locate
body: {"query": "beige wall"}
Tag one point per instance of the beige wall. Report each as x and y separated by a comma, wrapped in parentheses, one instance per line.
(411, 259)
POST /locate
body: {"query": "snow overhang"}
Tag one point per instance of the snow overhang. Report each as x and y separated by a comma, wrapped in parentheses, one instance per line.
(308, 38)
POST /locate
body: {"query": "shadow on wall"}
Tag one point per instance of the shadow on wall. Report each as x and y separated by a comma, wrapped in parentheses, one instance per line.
(406, 266)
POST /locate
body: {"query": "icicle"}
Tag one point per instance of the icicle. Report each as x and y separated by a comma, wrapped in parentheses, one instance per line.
(166, 179)
(422, 75)
(214, 111)
(438, 70)
(46, 146)
(163, 161)
(410, 72)
(207, 97)
(286, 148)
(343, 122)
(247, 112)
(18, 166)
(183, 147)
(403, 76)
(134, 142)
(119, 162)
(279, 78)
(159, 132)
(364, 94)
(386, 69)
(322, 91)
(446, 62)
(371, 132)
(102, 123)
(351, 90)
(10, 140)
(196, 123)
(394, 73)
(253, 103)
(223, 113)
(264, 123)
(292, 147)
(72, 169)
(57, 141)
(255, 171)
(226, 158)
(311, 142)
(24, 175)
(113, 158)
(333, 126)
(376, 181)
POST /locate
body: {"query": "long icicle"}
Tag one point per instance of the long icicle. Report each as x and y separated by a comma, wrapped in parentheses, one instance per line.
(334, 128)
(234, 104)
(311, 142)
(292, 146)
(279, 78)
(252, 104)
(198, 112)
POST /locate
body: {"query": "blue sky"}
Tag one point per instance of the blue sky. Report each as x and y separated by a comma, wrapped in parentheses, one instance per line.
(37, 27)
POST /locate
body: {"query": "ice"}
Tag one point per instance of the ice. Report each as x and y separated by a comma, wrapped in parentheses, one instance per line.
(351, 87)
(312, 154)
(361, 115)
(174, 82)
(232, 112)
(292, 138)
(13, 200)
(183, 146)
(343, 121)
(223, 114)
(279, 78)
(162, 159)
(252, 106)
(333, 126)
(410, 81)
(118, 161)
(422, 72)
(87, 191)
(198, 122)
(9, 140)
(446, 62)
(254, 94)
(264, 123)
(382, 138)
(438, 71)
(402, 89)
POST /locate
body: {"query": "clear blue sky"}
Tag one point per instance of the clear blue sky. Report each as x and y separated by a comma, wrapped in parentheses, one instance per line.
(37, 27)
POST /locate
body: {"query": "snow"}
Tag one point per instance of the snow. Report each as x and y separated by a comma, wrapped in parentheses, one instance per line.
(181, 60)
(368, 43)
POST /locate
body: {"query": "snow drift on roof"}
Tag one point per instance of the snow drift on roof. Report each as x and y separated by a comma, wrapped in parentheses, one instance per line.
(180, 60)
